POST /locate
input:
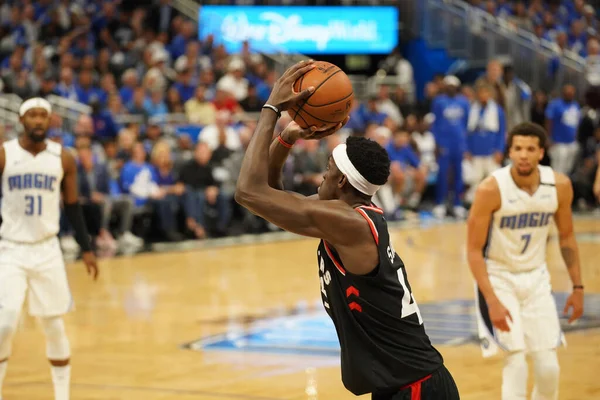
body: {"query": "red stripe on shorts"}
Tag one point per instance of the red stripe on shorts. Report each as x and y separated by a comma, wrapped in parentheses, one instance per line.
(415, 388)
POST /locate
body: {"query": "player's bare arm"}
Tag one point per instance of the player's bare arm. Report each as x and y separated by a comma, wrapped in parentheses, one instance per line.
(568, 244)
(487, 201)
(333, 221)
(74, 213)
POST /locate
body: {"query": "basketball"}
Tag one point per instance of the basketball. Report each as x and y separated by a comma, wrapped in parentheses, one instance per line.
(331, 101)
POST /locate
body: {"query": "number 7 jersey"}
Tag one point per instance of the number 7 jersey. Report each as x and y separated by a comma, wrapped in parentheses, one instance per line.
(31, 191)
(519, 230)
(382, 338)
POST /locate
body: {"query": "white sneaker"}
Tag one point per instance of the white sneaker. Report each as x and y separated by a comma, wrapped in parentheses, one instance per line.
(439, 211)
(414, 200)
(129, 241)
(460, 212)
(69, 244)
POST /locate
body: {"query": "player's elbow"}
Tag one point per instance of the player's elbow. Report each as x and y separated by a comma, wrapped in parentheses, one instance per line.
(245, 196)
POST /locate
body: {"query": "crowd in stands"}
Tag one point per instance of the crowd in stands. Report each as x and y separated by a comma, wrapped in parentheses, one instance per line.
(143, 178)
(570, 24)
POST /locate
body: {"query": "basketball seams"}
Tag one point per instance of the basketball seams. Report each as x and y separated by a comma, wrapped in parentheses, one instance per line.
(328, 104)
(332, 108)
(321, 84)
(319, 119)
(300, 115)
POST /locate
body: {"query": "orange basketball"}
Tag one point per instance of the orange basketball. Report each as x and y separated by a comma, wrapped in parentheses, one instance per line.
(331, 101)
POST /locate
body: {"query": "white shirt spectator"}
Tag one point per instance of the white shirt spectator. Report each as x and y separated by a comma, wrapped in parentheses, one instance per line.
(210, 136)
(405, 78)
(234, 81)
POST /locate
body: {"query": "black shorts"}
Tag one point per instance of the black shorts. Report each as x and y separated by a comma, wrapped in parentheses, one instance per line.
(438, 386)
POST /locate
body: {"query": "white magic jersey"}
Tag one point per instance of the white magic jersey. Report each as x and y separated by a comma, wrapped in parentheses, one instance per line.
(31, 193)
(519, 229)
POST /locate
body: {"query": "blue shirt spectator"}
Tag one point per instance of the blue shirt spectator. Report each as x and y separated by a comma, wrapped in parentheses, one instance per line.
(563, 116)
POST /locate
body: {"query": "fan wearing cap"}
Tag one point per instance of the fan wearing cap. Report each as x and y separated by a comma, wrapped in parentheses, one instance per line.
(36, 173)
(364, 285)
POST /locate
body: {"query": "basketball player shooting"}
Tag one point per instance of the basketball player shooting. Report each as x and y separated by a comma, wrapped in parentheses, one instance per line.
(508, 230)
(34, 173)
(364, 287)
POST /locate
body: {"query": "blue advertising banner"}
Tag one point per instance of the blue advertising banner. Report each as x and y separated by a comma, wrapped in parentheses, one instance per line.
(308, 30)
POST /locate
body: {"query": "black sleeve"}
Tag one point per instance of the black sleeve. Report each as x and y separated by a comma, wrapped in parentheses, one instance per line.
(75, 216)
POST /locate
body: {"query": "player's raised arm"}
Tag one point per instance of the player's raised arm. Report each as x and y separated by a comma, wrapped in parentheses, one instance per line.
(335, 221)
(487, 201)
(568, 244)
(74, 212)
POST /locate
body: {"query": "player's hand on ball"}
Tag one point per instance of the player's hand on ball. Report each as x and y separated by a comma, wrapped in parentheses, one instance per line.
(499, 316)
(283, 95)
(89, 259)
(575, 301)
(294, 132)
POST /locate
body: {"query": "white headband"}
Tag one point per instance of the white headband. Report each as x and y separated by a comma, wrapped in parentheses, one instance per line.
(36, 102)
(340, 156)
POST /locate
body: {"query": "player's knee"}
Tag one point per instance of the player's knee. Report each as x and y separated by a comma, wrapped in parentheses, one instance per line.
(57, 343)
(516, 362)
(546, 370)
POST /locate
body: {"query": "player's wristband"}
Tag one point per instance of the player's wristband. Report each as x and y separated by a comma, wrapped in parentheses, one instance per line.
(284, 143)
(273, 108)
(577, 287)
(75, 216)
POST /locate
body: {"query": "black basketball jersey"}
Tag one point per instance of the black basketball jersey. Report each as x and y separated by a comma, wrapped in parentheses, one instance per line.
(382, 338)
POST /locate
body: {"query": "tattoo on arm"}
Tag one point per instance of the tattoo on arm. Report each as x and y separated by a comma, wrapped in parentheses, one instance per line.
(568, 255)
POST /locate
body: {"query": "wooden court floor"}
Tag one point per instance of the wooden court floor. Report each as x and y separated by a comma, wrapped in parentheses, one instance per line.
(128, 328)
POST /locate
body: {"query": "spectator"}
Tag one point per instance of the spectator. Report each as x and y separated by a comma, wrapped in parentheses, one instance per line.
(234, 82)
(251, 103)
(517, 98)
(220, 132)
(386, 106)
(93, 187)
(592, 63)
(202, 192)
(562, 119)
(407, 172)
(307, 170)
(493, 77)
(87, 92)
(155, 105)
(486, 133)
(198, 110)
(451, 112)
(520, 18)
(170, 192)
(173, 101)
(105, 126)
(425, 142)
(185, 85)
(538, 107)
(130, 80)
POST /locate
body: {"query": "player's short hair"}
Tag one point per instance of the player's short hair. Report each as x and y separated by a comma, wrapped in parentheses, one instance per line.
(528, 129)
(369, 158)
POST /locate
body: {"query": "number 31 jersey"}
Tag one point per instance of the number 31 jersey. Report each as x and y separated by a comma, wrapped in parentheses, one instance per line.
(519, 230)
(31, 193)
(382, 338)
